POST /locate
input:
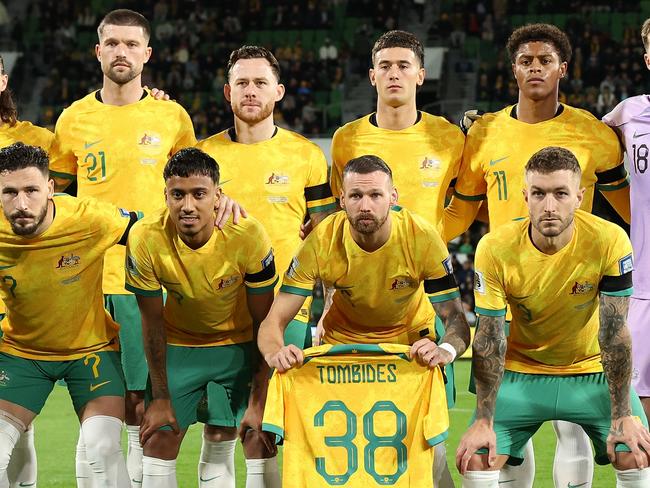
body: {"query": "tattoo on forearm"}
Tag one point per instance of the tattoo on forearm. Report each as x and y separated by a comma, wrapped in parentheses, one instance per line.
(456, 327)
(616, 352)
(488, 356)
(155, 340)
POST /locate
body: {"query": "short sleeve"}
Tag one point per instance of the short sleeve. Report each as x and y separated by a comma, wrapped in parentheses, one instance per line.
(489, 293)
(436, 421)
(439, 281)
(470, 183)
(111, 222)
(618, 265)
(260, 273)
(273, 420)
(337, 165)
(608, 154)
(186, 137)
(140, 276)
(299, 279)
(318, 193)
(63, 162)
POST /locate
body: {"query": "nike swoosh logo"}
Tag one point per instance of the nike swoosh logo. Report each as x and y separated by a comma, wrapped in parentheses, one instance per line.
(99, 385)
(221, 183)
(7, 267)
(91, 144)
(521, 297)
(495, 161)
(136, 481)
(569, 485)
(506, 481)
(204, 480)
(27, 484)
(635, 136)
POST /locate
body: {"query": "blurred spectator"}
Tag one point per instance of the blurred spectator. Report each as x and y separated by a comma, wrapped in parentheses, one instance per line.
(606, 100)
(328, 51)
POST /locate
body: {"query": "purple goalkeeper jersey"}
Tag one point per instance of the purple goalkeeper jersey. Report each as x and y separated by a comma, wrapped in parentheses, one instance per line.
(631, 118)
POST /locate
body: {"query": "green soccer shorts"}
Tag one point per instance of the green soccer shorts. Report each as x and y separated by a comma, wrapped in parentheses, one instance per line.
(298, 333)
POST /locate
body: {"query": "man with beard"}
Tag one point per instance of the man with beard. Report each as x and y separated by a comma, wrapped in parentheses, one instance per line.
(390, 271)
(566, 275)
(115, 143)
(281, 178)
(51, 253)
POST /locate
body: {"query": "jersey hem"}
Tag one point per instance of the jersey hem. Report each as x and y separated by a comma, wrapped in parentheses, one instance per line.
(608, 187)
(620, 293)
(471, 198)
(321, 208)
(144, 293)
(65, 176)
(294, 290)
(445, 297)
(261, 290)
(438, 439)
(490, 313)
(273, 429)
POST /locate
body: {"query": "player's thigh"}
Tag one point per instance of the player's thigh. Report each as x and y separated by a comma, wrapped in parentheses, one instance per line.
(298, 333)
(524, 402)
(585, 400)
(638, 320)
(93, 376)
(124, 310)
(228, 392)
(27, 383)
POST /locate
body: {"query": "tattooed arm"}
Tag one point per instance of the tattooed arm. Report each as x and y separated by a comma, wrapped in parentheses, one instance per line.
(456, 334)
(616, 352)
(160, 411)
(488, 356)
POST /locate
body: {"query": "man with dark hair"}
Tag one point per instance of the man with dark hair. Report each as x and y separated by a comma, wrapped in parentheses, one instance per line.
(220, 286)
(424, 150)
(497, 148)
(56, 326)
(568, 345)
(390, 271)
(281, 178)
(115, 143)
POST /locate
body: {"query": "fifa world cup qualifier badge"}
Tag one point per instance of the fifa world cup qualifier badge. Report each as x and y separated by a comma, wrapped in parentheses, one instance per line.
(479, 283)
(132, 266)
(626, 264)
(447, 265)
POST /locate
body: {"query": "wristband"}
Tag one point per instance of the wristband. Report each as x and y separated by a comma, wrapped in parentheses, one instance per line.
(449, 348)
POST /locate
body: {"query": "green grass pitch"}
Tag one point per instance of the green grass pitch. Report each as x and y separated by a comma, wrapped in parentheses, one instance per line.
(57, 429)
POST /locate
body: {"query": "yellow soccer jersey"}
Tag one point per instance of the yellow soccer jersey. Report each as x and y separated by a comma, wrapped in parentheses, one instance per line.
(359, 416)
(380, 296)
(118, 154)
(278, 181)
(498, 147)
(52, 284)
(424, 158)
(27, 133)
(554, 299)
(206, 287)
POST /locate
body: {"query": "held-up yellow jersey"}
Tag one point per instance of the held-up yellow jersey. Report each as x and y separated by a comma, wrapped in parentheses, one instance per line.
(498, 146)
(380, 296)
(424, 158)
(358, 416)
(206, 287)
(279, 181)
(52, 283)
(117, 154)
(554, 299)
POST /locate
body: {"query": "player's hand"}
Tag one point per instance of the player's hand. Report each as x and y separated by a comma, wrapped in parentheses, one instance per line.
(158, 414)
(469, 117)
(158, 94)
(631, 432)
(427, 353)
(479, 435)
(305, 229)
(252, 420)
(227, 207)
(320, 331)
(286, 358)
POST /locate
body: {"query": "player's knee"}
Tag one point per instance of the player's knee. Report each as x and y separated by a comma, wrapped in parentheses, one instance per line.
(478, 462)
(626, 460)
(255, 447)
(163, 444)
(101, 436)
(134, 403)
(214, 433)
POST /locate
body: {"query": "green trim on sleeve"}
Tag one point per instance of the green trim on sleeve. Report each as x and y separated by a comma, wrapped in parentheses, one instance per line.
(65, 176)
(321, 208)
(620, 293)
(490, 313)
(143, 293)
(471, 198)
(438, 439)
(445, 297)
(607, 187)
(262, 289)
(294, 290)
(273, 429)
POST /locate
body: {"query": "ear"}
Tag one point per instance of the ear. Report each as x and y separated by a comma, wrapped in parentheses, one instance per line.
(226, 92)
(50, 189)
(524, 190)
(279, 92)
(581, 196)
(4, 79)
(371, 75)
(513, 66)
(646, 58)
(147, 54)
(98, 52)
(394, 196)
(564, 66)
(342, 200)
(421, 76)
(218, 192)
(166, 195)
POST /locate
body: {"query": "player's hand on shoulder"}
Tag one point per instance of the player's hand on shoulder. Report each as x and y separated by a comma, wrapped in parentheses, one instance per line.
(226, 208)
(305, 229)
(286, 358)
(158, 414)
(427, 353)
(158, 94)
(629, 431)
(480, 435)
(469, 117)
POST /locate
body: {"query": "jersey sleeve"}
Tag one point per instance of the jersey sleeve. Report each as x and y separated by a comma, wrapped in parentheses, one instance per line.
(111, 222)
(261, 275)
(337, 165)
(140, 276)
(63, 162)
(618, 265)
(489, 293)
(470, 183)
(318, 193)
(299, 279)
(439, 281)
(436, 421)
(273, 420)
(186, 137)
